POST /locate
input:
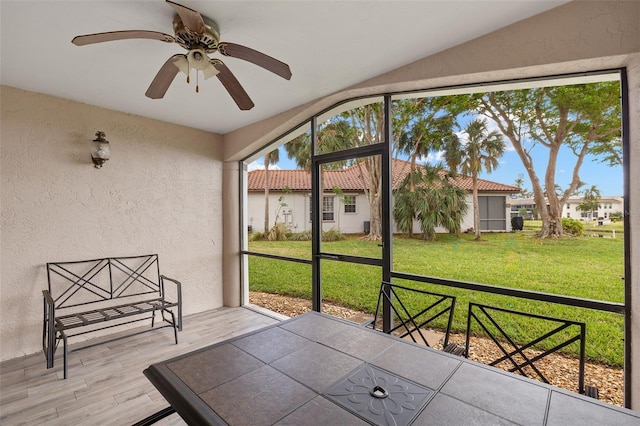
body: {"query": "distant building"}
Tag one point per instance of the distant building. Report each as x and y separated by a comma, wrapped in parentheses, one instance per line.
(527, 207)
(349, 211)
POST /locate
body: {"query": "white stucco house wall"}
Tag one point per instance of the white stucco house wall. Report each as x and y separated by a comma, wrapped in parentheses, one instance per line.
(608, 205)
(347, 210)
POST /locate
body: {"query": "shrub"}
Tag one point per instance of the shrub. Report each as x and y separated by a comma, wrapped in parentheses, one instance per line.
(255, 236)
(615, 216)
(300, 236)
(332, 235)
(277, 233)
(572, 227)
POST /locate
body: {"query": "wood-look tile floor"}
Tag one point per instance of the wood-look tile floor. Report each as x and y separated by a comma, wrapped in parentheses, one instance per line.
(106, 385)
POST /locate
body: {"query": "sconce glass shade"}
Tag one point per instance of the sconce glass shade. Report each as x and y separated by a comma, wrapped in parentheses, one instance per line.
(100, 150)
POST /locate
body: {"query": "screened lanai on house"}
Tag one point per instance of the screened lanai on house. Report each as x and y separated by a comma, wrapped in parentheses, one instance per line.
(176, 179)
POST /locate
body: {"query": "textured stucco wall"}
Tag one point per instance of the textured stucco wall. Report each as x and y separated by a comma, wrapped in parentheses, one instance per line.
(160, 193)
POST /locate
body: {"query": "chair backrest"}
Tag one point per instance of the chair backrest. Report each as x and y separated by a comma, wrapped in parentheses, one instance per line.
(517, 354)
(89, 281)
(414, 311)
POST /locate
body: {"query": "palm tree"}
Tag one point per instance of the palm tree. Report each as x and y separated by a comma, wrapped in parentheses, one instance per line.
(433, 201)
(423, 125)
(519, 182)
(591, 200)
(480, 152)
(270, 158)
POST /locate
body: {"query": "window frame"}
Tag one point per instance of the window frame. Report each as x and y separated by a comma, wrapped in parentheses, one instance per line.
(353, 204)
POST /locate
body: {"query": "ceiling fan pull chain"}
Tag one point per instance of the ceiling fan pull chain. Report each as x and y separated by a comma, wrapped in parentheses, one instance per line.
(197, 87)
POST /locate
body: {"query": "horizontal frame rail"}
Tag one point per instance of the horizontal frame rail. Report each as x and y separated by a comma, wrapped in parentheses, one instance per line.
(599, 305)
(277, 257)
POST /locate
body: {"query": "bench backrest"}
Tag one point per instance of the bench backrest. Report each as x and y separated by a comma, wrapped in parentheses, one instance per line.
(97, 280)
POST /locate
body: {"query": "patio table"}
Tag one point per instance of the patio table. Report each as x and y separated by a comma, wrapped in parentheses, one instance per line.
(320, 370)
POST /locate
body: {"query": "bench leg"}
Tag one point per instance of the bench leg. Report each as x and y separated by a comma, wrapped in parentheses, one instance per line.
(65, 353)
(175, 326)
(49, 350)
(48, 336)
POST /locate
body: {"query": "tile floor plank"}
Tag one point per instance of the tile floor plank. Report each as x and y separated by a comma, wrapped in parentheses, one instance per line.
(106, 384)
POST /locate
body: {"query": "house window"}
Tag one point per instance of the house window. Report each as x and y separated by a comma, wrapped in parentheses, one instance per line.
(327, 209)
(350, 204)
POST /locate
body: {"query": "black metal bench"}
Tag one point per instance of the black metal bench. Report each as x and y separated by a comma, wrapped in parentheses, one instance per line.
(91, 295)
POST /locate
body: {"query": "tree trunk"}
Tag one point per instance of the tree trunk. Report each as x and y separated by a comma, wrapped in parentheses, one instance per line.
(376, 219)
(266, 194)
(476, 207)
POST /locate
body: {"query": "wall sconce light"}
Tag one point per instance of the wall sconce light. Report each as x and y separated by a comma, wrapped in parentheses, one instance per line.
(100, 150)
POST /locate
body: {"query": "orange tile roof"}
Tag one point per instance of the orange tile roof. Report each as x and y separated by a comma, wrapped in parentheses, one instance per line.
(351, 179)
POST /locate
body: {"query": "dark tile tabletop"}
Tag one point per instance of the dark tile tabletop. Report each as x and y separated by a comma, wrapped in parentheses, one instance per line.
(319, 370)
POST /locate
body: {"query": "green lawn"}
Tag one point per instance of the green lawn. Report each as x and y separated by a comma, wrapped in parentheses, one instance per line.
(589, 268)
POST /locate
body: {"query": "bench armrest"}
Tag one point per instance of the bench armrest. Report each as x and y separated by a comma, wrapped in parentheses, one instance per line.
(179, 295)
(48, 300)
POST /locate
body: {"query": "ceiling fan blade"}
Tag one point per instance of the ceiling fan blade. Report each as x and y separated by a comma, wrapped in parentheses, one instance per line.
(121, 35)
(163, 79)
(191, 19)
(233, 86)
(265, 61)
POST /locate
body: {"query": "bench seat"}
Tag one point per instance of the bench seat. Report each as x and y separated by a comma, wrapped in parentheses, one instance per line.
(95, 316)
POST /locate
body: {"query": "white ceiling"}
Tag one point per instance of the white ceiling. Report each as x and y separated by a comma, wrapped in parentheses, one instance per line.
(329, 45)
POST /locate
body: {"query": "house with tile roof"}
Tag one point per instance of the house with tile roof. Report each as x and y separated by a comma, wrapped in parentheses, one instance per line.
(571, 209)
(345, 206)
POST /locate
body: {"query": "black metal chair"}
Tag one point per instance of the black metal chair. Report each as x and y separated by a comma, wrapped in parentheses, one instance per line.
(413, 310)
(516, 356)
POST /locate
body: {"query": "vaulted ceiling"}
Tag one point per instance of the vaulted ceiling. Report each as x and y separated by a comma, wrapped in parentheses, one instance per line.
(329, 45)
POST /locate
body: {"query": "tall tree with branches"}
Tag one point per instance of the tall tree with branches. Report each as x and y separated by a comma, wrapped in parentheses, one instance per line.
(351, 129)
(480, 152)
(584, 118)
(270, 158)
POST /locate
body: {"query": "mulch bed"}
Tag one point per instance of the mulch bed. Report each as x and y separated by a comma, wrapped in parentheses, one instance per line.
(560, 370)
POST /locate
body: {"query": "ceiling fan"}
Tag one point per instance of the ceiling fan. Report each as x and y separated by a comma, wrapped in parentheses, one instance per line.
(199, 35)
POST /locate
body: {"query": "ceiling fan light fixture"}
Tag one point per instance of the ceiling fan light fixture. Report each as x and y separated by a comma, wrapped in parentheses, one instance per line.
(183, 64)
(210, 71)
(198, 59)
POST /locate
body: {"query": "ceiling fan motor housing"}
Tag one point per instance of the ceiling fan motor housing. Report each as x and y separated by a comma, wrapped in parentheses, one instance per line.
(190, 40)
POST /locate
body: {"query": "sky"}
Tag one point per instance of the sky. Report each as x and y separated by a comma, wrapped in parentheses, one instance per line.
(607, 179)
